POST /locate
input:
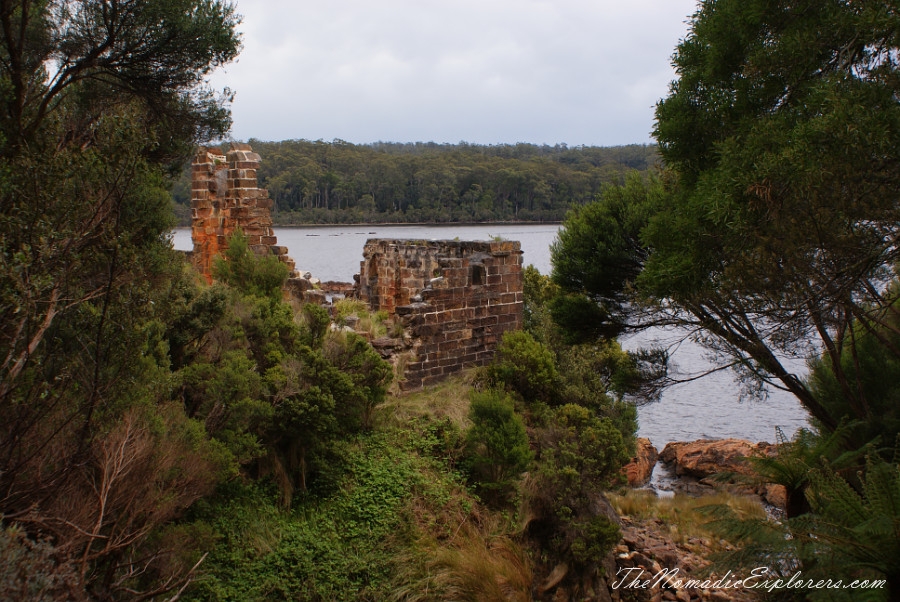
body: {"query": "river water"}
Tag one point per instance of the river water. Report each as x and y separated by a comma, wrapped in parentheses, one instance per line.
(710, 407)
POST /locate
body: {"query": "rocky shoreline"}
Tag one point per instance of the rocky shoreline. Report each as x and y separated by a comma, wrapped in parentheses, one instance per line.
(647, 554)
(705, 466)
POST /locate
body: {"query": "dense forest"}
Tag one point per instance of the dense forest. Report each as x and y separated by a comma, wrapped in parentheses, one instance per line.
(339, 182)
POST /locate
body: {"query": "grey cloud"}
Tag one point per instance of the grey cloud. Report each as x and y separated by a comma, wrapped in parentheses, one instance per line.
(486, 71)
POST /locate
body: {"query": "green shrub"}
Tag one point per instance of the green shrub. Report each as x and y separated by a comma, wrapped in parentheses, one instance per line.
(249, 273)
(581, 453)
(594, 538)
(316, 320)
(526, 367)
(369, 373)
(496, 445)
(537, 291)
(580, 456)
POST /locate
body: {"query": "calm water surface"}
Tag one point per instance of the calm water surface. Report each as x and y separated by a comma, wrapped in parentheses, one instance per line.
(335, 252)
(706, 408)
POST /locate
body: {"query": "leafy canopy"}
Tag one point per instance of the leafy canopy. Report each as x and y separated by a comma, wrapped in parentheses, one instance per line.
(99, 101)
(782, 130)
(776, 232)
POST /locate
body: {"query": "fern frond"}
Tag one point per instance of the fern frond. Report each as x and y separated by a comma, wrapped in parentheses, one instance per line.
(882, 487)
(832, 497)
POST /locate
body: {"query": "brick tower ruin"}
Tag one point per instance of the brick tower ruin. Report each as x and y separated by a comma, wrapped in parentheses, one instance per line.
(225, 197)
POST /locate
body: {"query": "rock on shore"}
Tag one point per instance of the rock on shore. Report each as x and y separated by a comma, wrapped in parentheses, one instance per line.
(706, 458)
(639, 469)
(649, 565)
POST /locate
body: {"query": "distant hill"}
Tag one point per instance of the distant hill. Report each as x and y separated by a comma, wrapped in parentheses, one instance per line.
(339, 182)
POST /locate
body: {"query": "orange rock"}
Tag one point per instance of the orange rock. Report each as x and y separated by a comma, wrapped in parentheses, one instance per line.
(706, 457)
(639, 469)
(775, 495)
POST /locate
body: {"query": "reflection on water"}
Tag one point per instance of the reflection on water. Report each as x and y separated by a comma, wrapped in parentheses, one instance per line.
(706, 408)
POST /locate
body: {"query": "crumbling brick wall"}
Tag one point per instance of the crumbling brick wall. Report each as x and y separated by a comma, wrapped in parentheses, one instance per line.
(454, 298)
(225, 197)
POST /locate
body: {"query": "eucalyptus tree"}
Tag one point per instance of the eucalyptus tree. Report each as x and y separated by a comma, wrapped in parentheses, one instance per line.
(100, 101)
(777, 236)
(783, 128)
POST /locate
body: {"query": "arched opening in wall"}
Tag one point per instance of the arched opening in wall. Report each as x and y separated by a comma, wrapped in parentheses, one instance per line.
(477, 275)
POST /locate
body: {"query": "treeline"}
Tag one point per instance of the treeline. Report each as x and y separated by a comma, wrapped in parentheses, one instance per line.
(339, 182)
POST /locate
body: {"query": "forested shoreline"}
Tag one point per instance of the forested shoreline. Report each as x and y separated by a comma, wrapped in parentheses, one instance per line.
(317, 182)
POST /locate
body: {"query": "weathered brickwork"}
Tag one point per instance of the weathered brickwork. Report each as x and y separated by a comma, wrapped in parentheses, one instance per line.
(454, 298)
(225, 197)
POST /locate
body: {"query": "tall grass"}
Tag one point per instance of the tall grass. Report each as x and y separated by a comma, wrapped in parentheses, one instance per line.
(682, 516)
(369, 324)
(478, 562)
(447, 400)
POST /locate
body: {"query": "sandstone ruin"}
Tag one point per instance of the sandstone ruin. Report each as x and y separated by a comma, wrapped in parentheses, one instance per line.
(225, 197)
(454, 299)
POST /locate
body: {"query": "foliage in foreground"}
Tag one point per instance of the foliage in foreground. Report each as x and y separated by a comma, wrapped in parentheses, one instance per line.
(334, 545)
(580, 427)
(99, 104)
(389, 519)
(852, 531)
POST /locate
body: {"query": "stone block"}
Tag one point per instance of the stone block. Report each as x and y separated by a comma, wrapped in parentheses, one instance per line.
(432, 380)
(247, 162)
(243, 183)
(426, 331)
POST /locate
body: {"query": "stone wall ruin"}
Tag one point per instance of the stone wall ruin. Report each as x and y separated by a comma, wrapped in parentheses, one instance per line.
(454, 299)
(224, 197)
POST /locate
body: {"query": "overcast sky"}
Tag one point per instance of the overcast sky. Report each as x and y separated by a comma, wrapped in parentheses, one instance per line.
(481, 71)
